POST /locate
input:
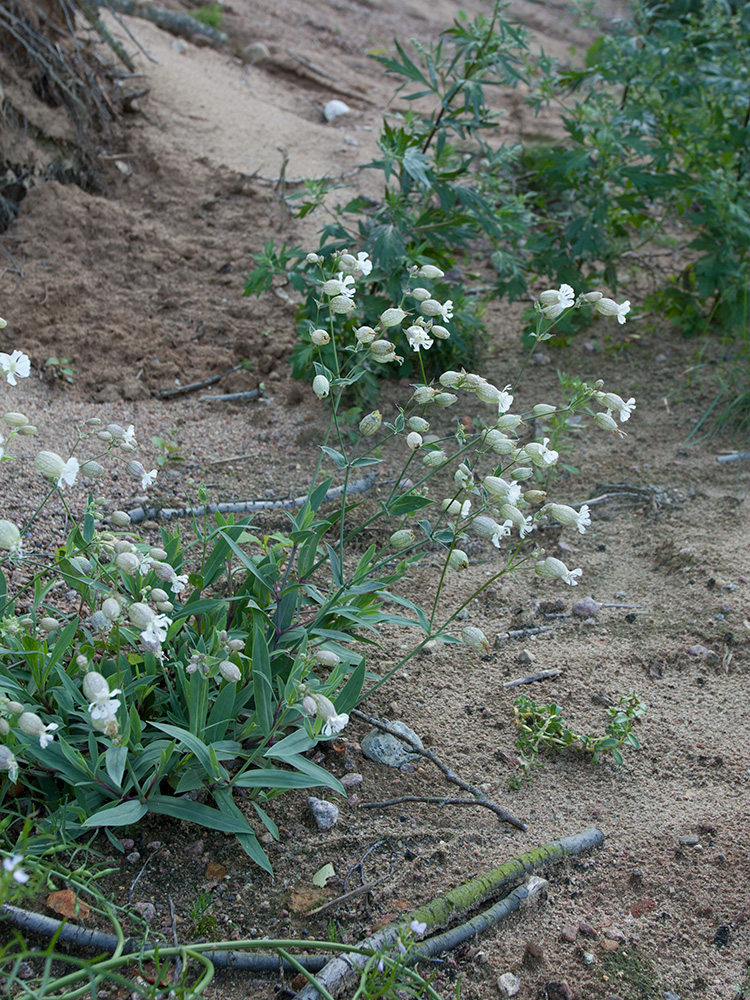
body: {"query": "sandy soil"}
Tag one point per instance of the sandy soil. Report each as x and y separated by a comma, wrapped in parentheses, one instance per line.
(142, 289)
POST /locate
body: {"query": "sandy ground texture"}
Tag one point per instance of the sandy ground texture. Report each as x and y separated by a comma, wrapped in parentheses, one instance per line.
(141, 288)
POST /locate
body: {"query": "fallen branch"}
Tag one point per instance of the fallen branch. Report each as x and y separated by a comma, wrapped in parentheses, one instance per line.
(180, 390)
(243, 506)
(736, 456)
(168, 20)
(429, 799)
(540, 675)
(480, 797)
(443, 910)
(519, 633)
(228, 397)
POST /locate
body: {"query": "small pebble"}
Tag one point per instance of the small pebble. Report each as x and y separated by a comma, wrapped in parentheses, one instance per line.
(568, 933)
(462, 615)
(587, 930)
(25, 971)
(609, 945)
(669, 995)
(589, 958)
(564, 547)
(525, 657)
(352, 779)
(533, 955)
(127, 844)
(325, 813)
(195, 849)
(133, 857)
(334, 109)
(559, 991)
(586, 607)
(146, 910)
(509, 983)
(689, 840)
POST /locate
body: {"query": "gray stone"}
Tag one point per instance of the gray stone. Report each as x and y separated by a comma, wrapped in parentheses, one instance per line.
(382, 748)
(509, 983)
(325, 813)
(587, 607)
(689, 840)
(669, 995)
(352, 779)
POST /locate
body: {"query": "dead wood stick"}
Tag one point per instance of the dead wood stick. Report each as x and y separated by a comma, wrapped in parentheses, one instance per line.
(454, 905)
(429, 799)
(352, 894)
(244, 506)
(168, 20)
(180, 390)
(540, 675)
(481, 798)
(227, 397)
(735, 457)
(519, 633)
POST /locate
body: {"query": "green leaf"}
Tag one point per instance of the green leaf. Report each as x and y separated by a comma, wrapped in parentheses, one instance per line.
(114, 760)
(123, 814)
(248, 841)
(350, 692)
(337, 457)
(195, 745)
(271, 777)
(291, 745)
(196, 812)
(262, 677)
(322, 875)
(408, 504)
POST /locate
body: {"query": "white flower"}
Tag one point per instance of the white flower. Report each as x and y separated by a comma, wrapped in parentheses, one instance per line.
(418, 927)
(32, 725)
(569, 516)
(555, 569)
(10, 537)
(342, 284)
(8, 762)
(137, 470)
(15, 364)
(52, 466)
(179, 583)
(431, 307)
(608, 307)
(364, 264)
(488, 527)
(614, 402)
(496, 486)
(12, 864)
(513, 516)
(418, 338)
(555, 302)
(129, 436)
(454, 508)
(315, 703)
(103, 703)
(539, 454)
(156, 630)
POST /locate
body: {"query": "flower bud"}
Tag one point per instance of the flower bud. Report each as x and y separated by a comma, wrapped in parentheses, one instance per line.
(535, 496)
(128, 562)
(95, 687)
(392, 317)
(10, 536)
(157, 594)
(379, 348)
(414, 440)
(49, 624)
(91, 469)
(431, 307)
(111, 608)
(451, 379)
(606, 422)
(321, 386)
(230, 672)
(163, 571)
(326, 658)
(164, 606)
(140, 614)
(507, 422)
(365, 334)
(313, 258)
(487, 393)
(370, 424)
(418, 424)
(14, 707)
(105, 724)
(402, 539)
(82, 565)
(544, 409)
(4, 727)
(591, 296)
(13, 419)
(116, 431)
(434, 459)
(104, 436)
(420, 294)
(320, 337)
(445, 399)
(440, 332)
(49, 464)
(424, 394)
(498, 442)
(100, 622)
(342, 304)
(458, 560)
(475, 639)
(455, 508)
(135, 469)
(31, 724)
(521, 473)
(431, 272)
(119, 518)
(157, 553)
(28, 430)
(236, 645)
